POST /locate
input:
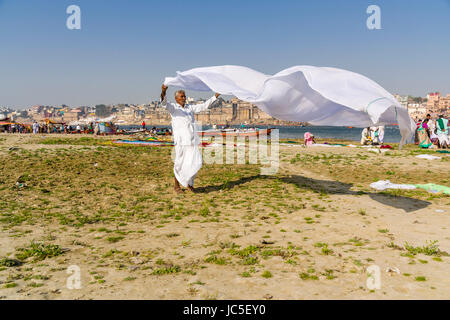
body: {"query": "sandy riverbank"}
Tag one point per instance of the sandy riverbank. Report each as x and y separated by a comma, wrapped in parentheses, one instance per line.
(308, 232)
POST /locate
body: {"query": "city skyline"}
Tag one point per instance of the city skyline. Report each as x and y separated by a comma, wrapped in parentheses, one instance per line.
(124, 50)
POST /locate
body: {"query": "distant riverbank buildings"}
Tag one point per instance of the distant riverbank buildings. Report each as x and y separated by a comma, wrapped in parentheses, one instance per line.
(232, 112)
(434, 104)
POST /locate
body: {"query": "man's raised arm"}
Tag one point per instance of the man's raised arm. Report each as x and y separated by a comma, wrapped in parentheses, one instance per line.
(167, 105)
(204, 106)
(163, 95)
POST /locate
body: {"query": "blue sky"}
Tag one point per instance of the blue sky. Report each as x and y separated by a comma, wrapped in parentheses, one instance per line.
(125, 48)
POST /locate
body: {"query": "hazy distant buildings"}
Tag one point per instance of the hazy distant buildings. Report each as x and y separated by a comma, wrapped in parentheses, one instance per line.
(438, 104)
(221, 112)
(434, 104)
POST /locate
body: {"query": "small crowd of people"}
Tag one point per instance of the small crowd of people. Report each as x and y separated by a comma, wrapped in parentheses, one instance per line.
(433, 133)
(91, 128)
(160, 131)
(372, 136)
(15, 128)
(63, 128)
(47, 128)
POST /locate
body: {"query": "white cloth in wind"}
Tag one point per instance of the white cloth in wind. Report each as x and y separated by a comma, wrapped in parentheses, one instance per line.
(320, 96)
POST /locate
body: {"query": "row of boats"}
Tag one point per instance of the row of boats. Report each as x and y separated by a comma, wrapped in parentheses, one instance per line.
(235, 132)
(230, 132)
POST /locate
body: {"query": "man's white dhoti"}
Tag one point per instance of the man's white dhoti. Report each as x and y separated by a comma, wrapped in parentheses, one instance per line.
(188, 158)
(188, 162)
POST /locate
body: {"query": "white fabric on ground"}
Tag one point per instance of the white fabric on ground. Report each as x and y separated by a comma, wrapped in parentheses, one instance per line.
(323, 145)
(386, 184)
(291, 145)
(378, 150)
(320, 96)
(428, 157)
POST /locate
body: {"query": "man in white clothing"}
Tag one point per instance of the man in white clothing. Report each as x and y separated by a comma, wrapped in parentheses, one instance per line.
(188, 160)
(366, 136)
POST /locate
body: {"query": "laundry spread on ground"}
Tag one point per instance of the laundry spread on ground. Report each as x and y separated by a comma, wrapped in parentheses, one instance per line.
(428, 157)
(317, 95)
(430, 187)
(149, 142)
(386, 184)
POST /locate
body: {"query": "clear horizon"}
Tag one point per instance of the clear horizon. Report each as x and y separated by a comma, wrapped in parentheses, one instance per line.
(125, 49)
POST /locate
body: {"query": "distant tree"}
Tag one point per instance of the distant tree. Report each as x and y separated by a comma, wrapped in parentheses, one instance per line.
(416, 99)
(102, 111)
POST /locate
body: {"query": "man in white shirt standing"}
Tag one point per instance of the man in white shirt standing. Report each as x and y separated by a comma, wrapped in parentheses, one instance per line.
(188, 158)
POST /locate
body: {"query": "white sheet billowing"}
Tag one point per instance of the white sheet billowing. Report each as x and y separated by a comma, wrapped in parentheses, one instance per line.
(320, 96)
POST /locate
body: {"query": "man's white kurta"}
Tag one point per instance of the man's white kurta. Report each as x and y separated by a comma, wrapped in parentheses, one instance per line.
(188, 158)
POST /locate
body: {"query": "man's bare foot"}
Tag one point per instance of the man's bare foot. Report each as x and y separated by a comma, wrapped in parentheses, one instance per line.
(191, 189)
(178, 190)
(177, 187)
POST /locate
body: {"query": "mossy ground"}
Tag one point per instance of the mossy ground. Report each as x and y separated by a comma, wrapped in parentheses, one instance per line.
(69, 200)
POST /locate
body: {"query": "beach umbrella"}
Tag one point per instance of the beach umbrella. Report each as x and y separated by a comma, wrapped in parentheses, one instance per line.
(317, 95)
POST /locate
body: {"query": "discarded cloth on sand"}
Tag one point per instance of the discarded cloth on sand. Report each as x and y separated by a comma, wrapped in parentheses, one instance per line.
(434, 188)
(318, 95)
(378, 150)
(430, 187)
(386, 184)
(428, 157)
(145, 143)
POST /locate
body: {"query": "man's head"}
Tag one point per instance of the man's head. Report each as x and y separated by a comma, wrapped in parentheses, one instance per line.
(180, 97)
(441, 116)
(428, 116)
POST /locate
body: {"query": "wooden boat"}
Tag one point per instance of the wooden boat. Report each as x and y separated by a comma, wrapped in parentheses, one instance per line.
(235, 133)
(132, 131)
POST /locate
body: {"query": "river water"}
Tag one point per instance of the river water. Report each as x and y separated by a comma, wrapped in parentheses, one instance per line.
(392, 134)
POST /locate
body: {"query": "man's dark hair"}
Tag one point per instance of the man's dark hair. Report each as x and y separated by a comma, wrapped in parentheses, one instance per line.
(428, 115)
